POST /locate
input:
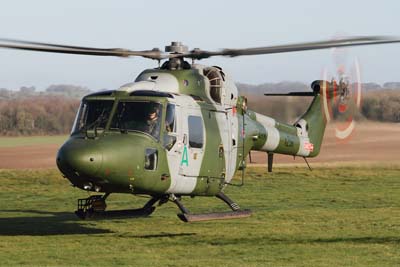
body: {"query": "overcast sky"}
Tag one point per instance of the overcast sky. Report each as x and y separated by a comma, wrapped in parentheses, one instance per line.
(208, 24)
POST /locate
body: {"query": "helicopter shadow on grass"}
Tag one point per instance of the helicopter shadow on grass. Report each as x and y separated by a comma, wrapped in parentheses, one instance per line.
(364, 240)
(356, 240)
(42, 223)
(157, 236)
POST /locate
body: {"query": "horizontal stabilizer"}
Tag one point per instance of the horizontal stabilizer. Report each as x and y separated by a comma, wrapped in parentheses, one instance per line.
(291, 94)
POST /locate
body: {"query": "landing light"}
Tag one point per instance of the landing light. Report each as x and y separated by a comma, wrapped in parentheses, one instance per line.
(88, 186)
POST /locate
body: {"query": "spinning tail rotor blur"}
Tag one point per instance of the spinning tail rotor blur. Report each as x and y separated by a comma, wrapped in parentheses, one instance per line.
(342, 107)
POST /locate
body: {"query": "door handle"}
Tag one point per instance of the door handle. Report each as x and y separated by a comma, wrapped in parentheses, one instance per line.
(185, 139)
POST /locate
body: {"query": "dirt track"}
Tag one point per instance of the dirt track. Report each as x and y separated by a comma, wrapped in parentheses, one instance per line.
(371, 142)
(28, 157)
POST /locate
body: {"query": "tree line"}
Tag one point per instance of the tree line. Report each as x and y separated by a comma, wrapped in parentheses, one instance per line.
(41, 115)
(54, 114)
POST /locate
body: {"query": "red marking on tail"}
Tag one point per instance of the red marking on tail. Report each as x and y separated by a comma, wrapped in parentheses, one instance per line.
(309, 146)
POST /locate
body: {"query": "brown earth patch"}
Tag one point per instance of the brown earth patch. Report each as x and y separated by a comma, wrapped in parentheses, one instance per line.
(28, 157)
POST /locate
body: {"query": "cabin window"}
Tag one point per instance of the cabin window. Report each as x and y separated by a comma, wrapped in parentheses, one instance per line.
(196, 138)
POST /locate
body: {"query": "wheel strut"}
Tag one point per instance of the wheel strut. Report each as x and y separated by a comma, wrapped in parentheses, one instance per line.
(236, 212)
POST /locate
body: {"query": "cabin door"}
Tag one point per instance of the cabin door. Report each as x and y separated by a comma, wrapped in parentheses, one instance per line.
(193, 143)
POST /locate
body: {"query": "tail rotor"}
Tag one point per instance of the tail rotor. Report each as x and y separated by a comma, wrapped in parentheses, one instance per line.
(342, 107)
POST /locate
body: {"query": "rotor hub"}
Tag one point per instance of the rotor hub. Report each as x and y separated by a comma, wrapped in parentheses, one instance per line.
(177, 47)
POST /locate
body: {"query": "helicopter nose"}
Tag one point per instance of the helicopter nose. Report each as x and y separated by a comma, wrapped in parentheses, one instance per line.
(79, 157)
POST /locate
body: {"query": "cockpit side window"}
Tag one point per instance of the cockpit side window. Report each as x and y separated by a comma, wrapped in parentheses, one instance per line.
(170, 127)
(170, 118)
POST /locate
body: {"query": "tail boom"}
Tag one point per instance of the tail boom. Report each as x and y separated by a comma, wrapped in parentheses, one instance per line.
(304, 138)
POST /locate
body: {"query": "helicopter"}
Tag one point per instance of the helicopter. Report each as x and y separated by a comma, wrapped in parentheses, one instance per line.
(181, 129)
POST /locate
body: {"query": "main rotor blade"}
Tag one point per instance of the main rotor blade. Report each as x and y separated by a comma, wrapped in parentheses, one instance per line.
(352, 41)
(196, 53)
(78, 50)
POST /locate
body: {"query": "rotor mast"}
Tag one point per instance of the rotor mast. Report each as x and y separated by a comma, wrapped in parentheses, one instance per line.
(177, 62)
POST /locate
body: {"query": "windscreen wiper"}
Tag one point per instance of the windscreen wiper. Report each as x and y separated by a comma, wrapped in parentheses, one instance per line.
(95, 123)
(122, 125)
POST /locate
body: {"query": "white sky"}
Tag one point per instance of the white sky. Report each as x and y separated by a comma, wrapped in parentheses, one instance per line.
(208, 24)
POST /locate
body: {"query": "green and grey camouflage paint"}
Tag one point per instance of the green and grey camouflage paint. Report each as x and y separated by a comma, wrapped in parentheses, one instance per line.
(112, 161)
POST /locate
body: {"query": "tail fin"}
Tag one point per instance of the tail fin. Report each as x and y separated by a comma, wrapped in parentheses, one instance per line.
(314, 120)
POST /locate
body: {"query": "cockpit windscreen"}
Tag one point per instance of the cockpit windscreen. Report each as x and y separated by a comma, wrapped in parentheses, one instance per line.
(141, 116)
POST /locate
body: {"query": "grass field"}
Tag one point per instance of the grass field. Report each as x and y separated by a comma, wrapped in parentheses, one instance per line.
(31, 140)
(328, 217)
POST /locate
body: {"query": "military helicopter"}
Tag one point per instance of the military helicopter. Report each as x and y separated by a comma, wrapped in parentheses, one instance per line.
(181, 129)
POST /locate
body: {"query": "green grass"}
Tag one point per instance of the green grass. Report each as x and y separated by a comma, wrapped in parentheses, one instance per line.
(31, 140)
(328, 217)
